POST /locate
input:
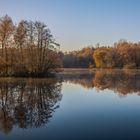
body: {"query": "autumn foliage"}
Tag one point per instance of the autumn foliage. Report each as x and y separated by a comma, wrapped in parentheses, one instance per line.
(122, 55)
(27, 48)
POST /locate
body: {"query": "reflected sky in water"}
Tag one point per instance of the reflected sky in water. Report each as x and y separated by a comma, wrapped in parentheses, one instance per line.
(104, 105)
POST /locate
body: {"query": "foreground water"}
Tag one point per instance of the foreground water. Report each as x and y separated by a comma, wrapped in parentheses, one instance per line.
(79, 105)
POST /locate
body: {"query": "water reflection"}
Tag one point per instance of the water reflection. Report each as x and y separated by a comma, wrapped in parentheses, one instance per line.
(122, 82)
(27, 103)
(30, 103)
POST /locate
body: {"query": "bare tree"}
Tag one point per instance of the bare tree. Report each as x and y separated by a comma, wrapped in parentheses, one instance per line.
(6, 31)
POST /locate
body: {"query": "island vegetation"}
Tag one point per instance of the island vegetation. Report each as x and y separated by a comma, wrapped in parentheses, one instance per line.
(27, 48)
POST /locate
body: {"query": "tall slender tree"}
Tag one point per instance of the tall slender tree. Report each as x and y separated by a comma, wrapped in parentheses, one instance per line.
(6, 31)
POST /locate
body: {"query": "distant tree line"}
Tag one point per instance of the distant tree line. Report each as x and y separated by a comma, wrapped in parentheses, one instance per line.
(78, 59)
(122, 54)
(26, 48)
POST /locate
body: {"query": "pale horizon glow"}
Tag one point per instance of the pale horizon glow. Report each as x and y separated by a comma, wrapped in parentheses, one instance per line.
(78, 23)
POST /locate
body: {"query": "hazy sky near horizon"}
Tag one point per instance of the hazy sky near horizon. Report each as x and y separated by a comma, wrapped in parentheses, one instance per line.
(78, 23)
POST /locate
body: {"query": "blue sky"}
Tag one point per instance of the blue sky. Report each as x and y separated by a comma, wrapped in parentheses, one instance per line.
(78, 23)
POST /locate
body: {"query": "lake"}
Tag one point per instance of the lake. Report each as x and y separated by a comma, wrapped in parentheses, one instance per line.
(84, 105)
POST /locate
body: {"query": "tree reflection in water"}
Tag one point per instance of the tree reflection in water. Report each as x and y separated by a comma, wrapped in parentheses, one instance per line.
(122, 82)
(27, 103)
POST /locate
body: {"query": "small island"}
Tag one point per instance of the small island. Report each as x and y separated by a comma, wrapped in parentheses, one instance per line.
(27, 49)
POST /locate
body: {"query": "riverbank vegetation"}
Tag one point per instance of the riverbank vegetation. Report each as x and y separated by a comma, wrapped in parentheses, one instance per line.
(122, 54)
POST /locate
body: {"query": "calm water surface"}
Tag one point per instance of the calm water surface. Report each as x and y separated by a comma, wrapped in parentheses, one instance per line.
(87, 105)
